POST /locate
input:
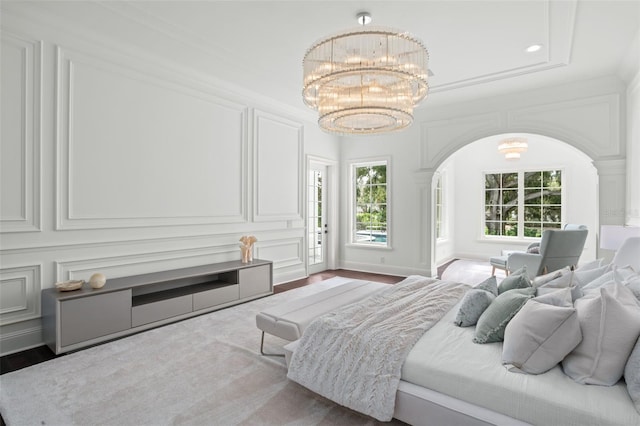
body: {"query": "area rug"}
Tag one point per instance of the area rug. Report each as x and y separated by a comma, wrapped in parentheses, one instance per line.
(470, 272)
(201, 371)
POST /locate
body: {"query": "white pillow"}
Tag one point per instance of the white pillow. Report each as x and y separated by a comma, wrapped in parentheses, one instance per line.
(582, 278)
(553, 296)
(610, 324)
(619, 274)
(633, 284)
(543, 279)
(632, 375)
(564, 281)
(590, 265)
(599, 282)
(541, 334)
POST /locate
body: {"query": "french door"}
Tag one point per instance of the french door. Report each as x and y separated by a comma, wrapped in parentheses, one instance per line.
(317, 223)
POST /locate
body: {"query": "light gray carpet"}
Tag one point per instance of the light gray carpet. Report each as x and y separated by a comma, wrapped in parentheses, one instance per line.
(201, 371)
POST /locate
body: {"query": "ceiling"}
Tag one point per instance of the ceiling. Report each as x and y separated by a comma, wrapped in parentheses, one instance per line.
(477, 48)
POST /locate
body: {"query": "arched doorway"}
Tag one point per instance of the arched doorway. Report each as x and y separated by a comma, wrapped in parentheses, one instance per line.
(459, 195)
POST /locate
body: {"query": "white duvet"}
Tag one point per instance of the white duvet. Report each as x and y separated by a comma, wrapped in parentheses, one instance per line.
(354, 355)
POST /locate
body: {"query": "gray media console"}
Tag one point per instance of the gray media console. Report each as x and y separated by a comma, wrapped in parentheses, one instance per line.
(76, 319)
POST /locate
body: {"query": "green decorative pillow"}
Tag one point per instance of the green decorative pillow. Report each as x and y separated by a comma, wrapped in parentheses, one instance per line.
(494, 319)
(514, 281)
(490, 285)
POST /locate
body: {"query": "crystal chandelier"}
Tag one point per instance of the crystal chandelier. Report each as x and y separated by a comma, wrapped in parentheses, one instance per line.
(365, 81)
(512, 147)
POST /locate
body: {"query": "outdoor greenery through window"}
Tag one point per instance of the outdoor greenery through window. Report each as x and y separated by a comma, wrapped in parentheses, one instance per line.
(371, 195)
(522, 204)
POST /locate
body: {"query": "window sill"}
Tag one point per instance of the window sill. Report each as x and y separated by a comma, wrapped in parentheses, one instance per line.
(509, 240)
(368, 246)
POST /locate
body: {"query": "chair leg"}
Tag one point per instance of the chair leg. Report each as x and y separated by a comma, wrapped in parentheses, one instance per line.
(493, 271)
(262, 352)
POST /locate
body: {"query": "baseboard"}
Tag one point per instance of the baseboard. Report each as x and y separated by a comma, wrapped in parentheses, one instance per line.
(378, 268)
(20, 340)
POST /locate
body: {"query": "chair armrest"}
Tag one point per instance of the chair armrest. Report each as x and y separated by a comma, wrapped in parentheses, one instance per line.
(532, 245)
(517, 260)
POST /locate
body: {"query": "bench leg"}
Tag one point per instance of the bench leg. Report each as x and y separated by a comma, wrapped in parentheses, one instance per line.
(262, 352)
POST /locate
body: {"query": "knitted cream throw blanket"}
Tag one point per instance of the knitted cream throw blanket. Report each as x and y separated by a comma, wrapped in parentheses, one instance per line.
(354, 355)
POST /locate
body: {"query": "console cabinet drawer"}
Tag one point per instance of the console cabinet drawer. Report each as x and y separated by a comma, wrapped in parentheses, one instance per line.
(255, 281)
(217, 296)
(88, 318)
(162, 309)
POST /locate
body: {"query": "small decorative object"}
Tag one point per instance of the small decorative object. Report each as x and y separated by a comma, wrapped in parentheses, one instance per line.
(97, 280)
(69, 285)
(246, 248)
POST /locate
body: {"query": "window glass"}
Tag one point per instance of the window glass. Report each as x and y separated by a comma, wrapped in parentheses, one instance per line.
(370, 203)
(522, 204)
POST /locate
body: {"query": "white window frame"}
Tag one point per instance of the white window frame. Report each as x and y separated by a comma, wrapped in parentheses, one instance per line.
(521, 172)
(386, 161)
(440, 182)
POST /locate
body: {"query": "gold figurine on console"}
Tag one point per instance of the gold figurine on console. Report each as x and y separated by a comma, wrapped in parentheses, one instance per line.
(246, 248)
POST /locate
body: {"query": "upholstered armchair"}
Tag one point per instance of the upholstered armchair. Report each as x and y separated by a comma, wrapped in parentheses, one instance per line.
(558, 248)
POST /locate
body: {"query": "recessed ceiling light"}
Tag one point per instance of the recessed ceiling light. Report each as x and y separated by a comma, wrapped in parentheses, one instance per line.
(364, 18)
(534, 48)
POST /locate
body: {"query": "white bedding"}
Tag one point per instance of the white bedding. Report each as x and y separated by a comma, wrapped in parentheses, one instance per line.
(354, 355)
(446, 360)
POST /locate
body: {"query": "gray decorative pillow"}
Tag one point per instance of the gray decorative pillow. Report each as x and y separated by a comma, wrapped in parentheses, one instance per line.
(601, 357)
(473, 304)
(494, 319)
(490, 285)
(514, 281)
(540, 336)
(632, 375)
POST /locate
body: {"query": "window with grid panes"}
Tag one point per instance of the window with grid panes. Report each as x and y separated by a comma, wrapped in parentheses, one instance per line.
(370, 203)
(522, 204)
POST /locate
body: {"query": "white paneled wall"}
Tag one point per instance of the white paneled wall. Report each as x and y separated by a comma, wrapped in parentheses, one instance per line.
(633, 152)
(588, 116)
(127, 164)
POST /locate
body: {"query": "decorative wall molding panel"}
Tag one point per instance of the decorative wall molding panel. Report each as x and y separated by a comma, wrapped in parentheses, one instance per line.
(21, 133)
(110, 172)
(278, 168)
(590, 124)
(441, 138)
(283, 253)
(19, 293)
(118, 266)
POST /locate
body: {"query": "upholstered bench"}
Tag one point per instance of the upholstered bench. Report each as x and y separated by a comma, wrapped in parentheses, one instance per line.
(289, 320)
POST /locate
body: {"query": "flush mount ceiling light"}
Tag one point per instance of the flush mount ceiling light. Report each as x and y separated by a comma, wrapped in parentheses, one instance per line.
(533, 48)
(365, 81)
(512, 147)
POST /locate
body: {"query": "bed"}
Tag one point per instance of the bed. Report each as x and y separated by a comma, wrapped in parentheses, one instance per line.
(446, 378)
